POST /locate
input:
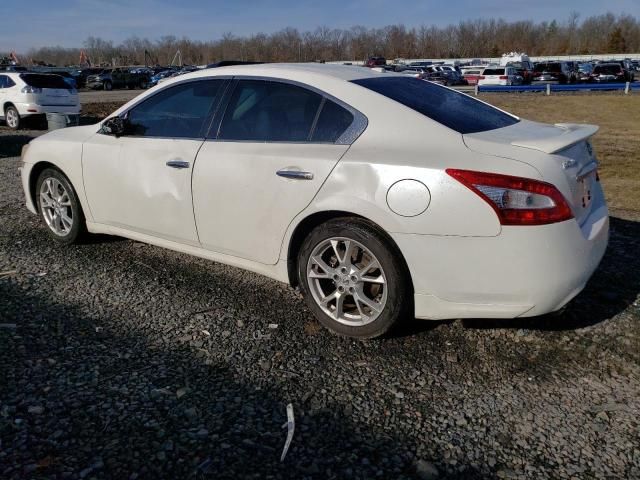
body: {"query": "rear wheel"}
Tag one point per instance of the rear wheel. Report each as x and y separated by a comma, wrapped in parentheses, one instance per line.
(12, 117)
(353, 278)
(108, 85)
(59, 207)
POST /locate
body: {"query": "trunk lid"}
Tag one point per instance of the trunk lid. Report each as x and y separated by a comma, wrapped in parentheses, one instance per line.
(561, 153)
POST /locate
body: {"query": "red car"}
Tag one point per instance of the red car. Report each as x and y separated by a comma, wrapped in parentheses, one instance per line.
(376, 62)
(472, 75)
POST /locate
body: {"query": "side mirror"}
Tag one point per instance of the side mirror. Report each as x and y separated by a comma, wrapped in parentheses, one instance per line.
(114, 126)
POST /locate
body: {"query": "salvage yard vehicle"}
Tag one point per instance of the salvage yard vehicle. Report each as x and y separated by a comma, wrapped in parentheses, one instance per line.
(379, 195)
(608, 72)
(121, 77)
(28, 95)
(494, 75)
(554, 72)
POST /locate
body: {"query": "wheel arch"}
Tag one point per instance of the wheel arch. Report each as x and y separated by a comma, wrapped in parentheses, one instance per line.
(35, 172)
(306, 225)
(6, 105)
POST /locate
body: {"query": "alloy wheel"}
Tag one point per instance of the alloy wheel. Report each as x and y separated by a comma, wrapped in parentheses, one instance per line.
(55, 204)
(12, 118)
(347, 281)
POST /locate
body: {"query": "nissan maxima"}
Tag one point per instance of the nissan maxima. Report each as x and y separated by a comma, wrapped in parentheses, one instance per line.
(381, 197)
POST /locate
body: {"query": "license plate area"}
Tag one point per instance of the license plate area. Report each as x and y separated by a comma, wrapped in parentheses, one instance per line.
(585, 187)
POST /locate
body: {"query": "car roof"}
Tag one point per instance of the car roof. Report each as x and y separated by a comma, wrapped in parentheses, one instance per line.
(292, 71)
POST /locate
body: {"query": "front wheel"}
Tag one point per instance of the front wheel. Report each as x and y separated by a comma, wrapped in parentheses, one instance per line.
(59, 207)
(353, 278)
(108, 86)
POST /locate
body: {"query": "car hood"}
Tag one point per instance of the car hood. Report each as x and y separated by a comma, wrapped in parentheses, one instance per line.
(71, 134)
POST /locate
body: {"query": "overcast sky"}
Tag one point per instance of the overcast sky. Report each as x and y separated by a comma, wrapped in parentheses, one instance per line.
(36, 23)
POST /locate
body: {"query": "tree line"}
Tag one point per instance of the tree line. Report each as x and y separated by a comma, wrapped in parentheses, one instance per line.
(600, 34)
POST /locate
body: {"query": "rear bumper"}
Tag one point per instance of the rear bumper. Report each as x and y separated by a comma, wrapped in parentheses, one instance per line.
(27, 109)
(524, 271)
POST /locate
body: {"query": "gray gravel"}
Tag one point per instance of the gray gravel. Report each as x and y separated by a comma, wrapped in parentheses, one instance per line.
(126, 361)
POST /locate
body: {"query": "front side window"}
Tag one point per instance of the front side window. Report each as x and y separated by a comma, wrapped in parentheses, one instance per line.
(180, 111)
(265, 111)
(452, 109)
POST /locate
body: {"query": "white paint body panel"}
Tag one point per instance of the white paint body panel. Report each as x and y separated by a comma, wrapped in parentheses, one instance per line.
(231, 207)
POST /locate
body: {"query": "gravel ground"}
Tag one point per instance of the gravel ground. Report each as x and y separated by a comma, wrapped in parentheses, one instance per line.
(100, 96)
(126, 361)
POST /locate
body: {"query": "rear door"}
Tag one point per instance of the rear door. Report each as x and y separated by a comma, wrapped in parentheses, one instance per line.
(277, 142)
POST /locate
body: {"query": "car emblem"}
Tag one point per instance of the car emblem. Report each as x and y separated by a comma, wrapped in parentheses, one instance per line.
(569, 164)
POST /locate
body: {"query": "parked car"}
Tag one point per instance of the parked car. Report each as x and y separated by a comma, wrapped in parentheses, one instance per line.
(584, 72)
(153, 81)
(27, 95)
(453, 74)
(523, 69)
(426, 203)
(494, 75)
(416, 72)
(629, 70)
(554, 72)
(472, 75)
(376, 62)
(121, 77)
(608, 72)
(81, 75)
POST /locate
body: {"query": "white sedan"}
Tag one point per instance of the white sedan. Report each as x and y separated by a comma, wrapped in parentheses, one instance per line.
(382, 197)
(28, 94)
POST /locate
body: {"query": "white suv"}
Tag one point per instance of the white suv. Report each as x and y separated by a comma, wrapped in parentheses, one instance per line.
(25, 94)
(496, 75)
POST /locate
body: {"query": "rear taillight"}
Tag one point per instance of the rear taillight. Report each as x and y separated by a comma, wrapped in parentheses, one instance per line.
(481, 77)
(504, 77)
(516, 201)
(30, 89)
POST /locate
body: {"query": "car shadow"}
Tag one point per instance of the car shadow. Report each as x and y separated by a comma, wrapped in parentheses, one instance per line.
(110, 384)
(613, 287)
(11, 144)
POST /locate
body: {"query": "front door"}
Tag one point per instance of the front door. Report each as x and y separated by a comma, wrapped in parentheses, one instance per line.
(141, 181)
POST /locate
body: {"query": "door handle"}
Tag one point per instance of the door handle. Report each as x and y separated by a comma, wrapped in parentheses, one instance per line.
(295, 174)
(177, 164)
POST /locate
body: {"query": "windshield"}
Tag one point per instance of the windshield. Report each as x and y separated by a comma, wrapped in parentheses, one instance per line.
(39, 80)
(452, 109)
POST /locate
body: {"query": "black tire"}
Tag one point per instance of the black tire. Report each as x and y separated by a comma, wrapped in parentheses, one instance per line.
(78, 228)
(143, 84)
(399, 300)
(12, 111)
(108, 86)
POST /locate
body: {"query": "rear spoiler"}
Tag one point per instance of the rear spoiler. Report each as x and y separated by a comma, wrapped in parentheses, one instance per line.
(572, 134)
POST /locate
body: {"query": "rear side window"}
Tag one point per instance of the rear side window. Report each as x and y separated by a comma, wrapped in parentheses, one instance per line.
(6, 82)
(452, 109)
(267, 111)
(176, 112)
(332, 122)
(38, 80)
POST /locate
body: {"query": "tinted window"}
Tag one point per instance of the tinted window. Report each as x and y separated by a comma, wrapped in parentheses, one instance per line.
(3, 81)
(269, 111)
(548, 67)
(332, 122)
(493, 71)
(608, 69)
(176, 112)
(448, 107)
(38, 80)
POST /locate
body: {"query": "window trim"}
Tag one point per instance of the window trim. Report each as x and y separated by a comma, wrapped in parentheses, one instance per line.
(348, 137)
(208, 120)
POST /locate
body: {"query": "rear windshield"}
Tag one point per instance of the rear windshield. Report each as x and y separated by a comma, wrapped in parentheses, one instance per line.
(548, 67)
(472, 72)
(39, 80)
(607, 69)
(493, 71)
(452, 109)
